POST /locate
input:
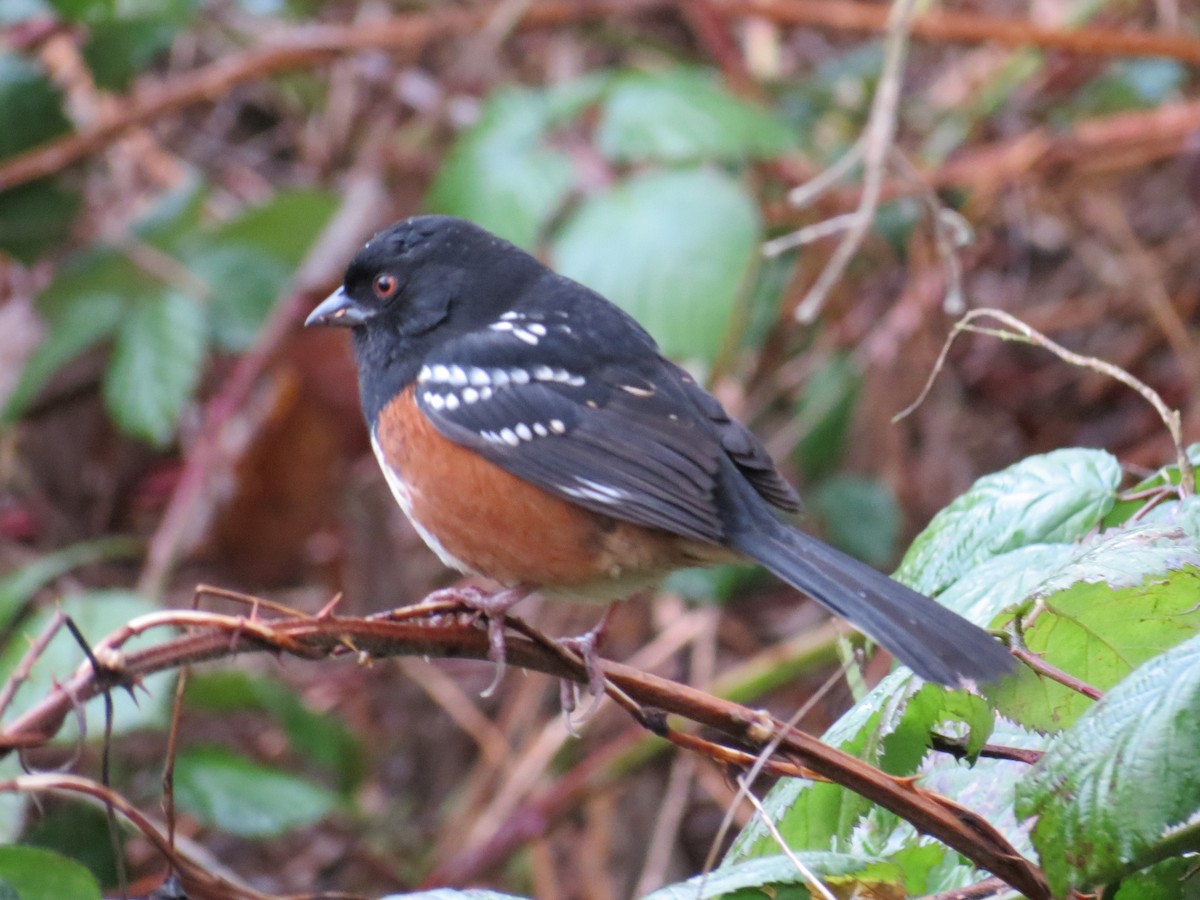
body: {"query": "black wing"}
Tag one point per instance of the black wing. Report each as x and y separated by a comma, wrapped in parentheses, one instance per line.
(602, 432)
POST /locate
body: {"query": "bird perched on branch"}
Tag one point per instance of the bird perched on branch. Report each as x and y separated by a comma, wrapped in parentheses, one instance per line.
(534, 434)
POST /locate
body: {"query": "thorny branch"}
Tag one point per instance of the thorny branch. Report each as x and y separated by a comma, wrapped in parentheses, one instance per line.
(440, 630)
(1023, 333)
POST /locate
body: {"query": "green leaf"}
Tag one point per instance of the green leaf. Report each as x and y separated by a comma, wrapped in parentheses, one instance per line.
(820, 816)
(764, 873)
(1168, 880)
(244, 284)
(1126, 597)
(502, 173)
(36, 217)
(824, 412)
(37, 874)
(79, 10)
(1128, 84)
(79, 326)
(860, 516)
(30, 106)
(118, 49)
(79, 831)
(96, 614)
(1123, 510)
(16, 588)
(324, 739)
(243, 798)
(283, 229)
(684, 115)
(1116, 792)
(672, 248)
(1004, 581)
(155, 365)
(1054, 498)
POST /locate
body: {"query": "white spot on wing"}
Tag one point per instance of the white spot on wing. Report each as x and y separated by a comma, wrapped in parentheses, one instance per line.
(478, 376)
(594, 490)
(451, 402)
(557, 426)
(523, 432)
(509, 437)
(458, 376)
(527, 336)
(470, 395)
(435, 401)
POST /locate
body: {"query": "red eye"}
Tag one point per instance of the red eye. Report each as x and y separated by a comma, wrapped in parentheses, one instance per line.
(385, 285)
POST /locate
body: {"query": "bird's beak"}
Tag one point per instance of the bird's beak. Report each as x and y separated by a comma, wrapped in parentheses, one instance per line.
(339, 308)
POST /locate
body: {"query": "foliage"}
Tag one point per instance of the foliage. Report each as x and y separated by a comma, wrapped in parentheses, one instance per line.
(649, 175)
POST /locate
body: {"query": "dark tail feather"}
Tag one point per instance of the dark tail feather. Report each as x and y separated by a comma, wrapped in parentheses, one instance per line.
(934, 642)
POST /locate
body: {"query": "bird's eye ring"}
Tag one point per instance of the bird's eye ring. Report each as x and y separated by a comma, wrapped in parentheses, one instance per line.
(385, 286)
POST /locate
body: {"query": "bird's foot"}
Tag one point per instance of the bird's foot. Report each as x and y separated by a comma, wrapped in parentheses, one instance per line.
(492, 607)
(586, 646)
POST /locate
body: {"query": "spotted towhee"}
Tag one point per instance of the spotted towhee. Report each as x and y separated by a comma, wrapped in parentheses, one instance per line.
(534, 434)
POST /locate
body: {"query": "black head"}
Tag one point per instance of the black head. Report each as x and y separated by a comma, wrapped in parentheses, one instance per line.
(423, 272)
(421, 281)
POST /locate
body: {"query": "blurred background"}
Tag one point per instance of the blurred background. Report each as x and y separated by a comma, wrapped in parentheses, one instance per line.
(182, 180)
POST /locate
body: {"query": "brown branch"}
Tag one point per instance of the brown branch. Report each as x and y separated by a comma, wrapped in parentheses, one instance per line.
(303, 48)
(1054, 673)
(437, 630)
(961, 27)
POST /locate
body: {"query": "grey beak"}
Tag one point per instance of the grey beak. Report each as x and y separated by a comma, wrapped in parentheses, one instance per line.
(339, 308)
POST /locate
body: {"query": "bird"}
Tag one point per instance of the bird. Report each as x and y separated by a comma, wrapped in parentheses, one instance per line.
(535, 435)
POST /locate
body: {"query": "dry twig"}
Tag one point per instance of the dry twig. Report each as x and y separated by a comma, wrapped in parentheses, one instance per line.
(434, 629)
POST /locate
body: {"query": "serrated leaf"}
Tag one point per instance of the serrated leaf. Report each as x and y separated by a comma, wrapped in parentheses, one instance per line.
(762, 873)
(1123, 510)
(503, 173)
(1004, 581)
(671, 248)
(155, 365)
(37, 874)
(935, 708)
(1054, 498)
(819, 816)
(1127, 597)
(96, 614)
(684, 115)
(241, 797)
(1109, 791)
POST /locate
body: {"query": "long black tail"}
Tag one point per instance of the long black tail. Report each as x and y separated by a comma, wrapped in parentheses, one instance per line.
(934, 642)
